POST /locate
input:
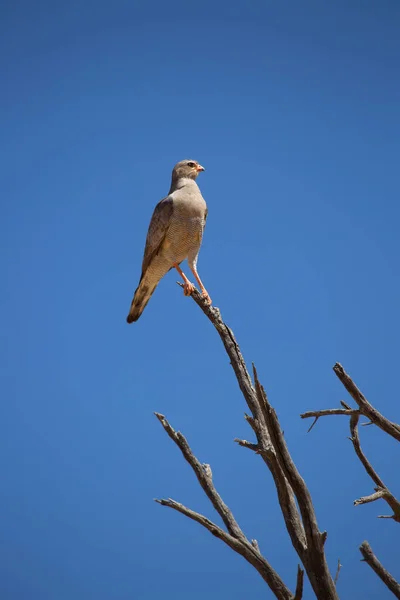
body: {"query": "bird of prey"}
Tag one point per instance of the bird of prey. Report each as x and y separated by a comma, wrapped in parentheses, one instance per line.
(175, 233)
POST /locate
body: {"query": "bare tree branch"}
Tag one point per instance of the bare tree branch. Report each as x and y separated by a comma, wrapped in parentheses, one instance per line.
(293, 495)
(248, 551)
(246, 444)
(355, 440)
(327, 412)
(204, 477)
(300, 521)
(312, 555)
(286, 496)
(386, 495)
(365, 407)
(366, 499)
(370, 558)
(235, 539)
(381, 490)
(339, 566)
(299, 584)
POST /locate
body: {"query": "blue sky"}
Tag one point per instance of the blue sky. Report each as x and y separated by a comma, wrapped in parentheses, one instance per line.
(293, 109)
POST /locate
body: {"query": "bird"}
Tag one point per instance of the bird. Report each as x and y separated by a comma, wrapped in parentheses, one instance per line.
(175, 233)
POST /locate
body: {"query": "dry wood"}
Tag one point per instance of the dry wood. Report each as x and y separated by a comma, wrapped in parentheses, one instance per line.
(370, 558)
(364, 406)
(293, 495)
(381, 491)
(339, 566)
(235, 537)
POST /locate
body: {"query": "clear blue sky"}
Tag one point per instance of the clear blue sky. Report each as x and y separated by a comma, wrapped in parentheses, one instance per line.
(293, 108)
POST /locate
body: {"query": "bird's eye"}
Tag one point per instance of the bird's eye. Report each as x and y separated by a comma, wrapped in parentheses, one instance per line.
(190, 164)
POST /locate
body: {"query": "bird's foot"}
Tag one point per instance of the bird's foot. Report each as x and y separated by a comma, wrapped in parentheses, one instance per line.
(206, 297)
(188, 288)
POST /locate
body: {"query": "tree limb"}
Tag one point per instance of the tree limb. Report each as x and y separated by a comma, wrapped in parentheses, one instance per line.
(339, 566)
(327, 412)
(386, 495)
(381, 490)
(249, 445)
(312, 555)
(364, 406)
(235, 539)
(248, 551)
(355, 440)
(204, 477)
(301, 523)
(370, 558)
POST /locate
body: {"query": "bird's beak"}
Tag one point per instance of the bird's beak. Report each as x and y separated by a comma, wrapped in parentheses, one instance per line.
(200, 168)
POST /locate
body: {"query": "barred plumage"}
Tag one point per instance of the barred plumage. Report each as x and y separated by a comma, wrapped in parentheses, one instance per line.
(175, 234)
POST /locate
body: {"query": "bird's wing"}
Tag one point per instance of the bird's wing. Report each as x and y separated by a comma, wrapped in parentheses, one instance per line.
(158, 228)
(204, 223)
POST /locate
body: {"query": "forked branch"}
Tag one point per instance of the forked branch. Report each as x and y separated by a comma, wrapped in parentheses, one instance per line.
(293, 495)
(381, 490)
(364, 406)
(235, 537)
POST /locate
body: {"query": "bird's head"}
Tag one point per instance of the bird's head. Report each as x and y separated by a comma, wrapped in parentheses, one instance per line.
(188, 169)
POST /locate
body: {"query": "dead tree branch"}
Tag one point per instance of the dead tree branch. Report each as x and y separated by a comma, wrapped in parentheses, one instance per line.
(355, 440)
(339, 566)
(235, 537)
(204, 477)
(364, 406)
(300, 519)
(370, 558)
(326, 413)
(299, 584)
(381, 491)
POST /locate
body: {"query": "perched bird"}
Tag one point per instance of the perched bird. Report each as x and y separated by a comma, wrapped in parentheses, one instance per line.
(175, 233)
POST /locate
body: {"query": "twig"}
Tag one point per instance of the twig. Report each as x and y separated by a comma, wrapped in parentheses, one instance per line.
(381, 491)
(386, 495)
(246, 444)
(339, 566)
(366, 499)
(365, 407)
(355, 440)
(370, 558)
(326, 413)
(329, 412)
(299, 584)
(212, 527)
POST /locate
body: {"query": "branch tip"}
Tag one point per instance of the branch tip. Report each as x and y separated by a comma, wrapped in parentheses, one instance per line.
(312, 424)
(339, 566)
(299, 584)
(370, 558)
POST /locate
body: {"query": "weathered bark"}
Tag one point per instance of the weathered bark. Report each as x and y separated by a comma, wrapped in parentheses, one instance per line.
(365, 409)
(293, 495)
(370, 558)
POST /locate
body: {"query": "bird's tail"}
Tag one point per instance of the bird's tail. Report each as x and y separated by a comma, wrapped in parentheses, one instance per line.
(141, 297)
